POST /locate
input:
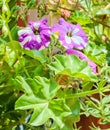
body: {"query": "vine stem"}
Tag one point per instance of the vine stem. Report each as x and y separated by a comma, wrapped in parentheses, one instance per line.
(9, 32)
(10, 37)
(86, 93)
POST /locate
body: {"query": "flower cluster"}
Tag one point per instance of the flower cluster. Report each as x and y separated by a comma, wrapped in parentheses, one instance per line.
(71, 37)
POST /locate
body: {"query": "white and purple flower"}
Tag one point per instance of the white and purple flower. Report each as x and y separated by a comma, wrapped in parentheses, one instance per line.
(82, 57)
(35, 36)
(70, 35)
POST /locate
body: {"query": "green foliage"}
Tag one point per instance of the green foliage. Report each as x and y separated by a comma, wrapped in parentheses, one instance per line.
(96, 53)
(40, 96)
(38, 55)
(73, 67)
(98, 108)
(14, 32)
(108, 53)
(80, 18)
(54, 90)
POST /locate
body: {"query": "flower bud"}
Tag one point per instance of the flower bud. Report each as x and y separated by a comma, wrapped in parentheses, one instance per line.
(105, 38)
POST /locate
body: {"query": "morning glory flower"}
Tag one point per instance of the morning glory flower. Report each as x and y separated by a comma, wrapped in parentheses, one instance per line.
(70, 35)
(82, 57)
(35, 36)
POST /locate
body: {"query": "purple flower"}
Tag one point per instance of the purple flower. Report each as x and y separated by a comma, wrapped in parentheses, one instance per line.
(82, 57)
(35, 36)
(39, 25)
(70, 36)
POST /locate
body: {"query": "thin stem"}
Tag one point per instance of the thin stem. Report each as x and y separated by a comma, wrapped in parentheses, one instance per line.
(26, 72)
(66, 8)
(9, 33)
(94, 104)
(86, 93)
(50, 18)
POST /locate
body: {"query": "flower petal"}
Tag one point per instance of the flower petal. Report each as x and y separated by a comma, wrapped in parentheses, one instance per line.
(38, 39)
(78, 41)
(67, 39)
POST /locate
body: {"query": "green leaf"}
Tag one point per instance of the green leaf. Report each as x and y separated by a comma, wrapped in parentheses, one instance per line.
(107, 33)
(86, 85)
(2, 40)
(102, 83)
(38, 55)
(74, 104)
(12, 52)
(12, 3)
(80, 18)
(40, 96)
(106, 100)
(14, 45)
(14, 32)
(30, 3)
(2, 49)
(72, 66)
(96, 53)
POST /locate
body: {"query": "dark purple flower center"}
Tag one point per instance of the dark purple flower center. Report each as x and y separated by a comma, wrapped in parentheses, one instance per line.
(69, 33)
(36, 32)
